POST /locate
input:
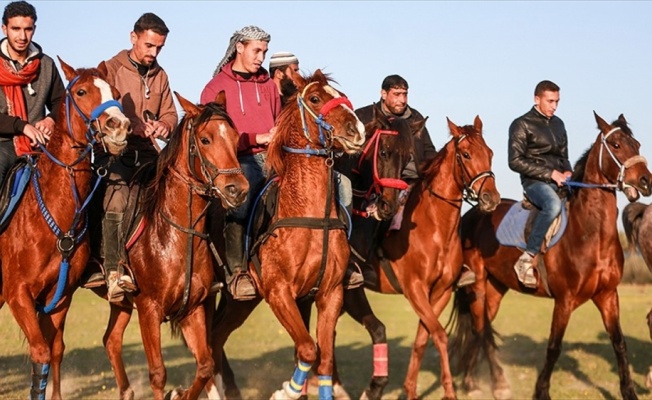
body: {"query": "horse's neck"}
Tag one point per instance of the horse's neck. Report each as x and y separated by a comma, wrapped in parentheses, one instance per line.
(595, 209)
(304, 188)
(181, 204)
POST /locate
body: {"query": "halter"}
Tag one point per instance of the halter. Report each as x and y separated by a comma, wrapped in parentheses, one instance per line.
(326, 141)
(204, 184)
(378, 183)
(468, 193)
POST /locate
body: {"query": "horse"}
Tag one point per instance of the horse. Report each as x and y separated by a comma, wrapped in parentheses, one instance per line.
(303, 255)
(637, 221)
(171, 259)
(585, 264)
(43, 256)
(423, 259)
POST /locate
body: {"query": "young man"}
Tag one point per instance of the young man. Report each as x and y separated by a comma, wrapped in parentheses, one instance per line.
(538, 151)
(253, 102)
(280, 65)
(147, 102)
(30, 84)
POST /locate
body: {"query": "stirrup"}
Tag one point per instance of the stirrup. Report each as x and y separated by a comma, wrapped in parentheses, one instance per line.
(353, 277)
(467, 277)
(242, 287)
(95, 279)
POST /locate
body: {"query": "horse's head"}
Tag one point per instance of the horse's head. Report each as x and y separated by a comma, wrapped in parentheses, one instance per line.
(473, 157)
(327, 115)
(619, 160)
(97, 115)
(208, 151)
(386, 153)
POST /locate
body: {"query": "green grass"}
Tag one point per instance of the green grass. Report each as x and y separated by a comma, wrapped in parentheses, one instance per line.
(262, 353)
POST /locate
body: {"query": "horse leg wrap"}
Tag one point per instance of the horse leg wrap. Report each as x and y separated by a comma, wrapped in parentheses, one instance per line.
(381, 360)
(325, 387)
(39, 381)
(298, 379)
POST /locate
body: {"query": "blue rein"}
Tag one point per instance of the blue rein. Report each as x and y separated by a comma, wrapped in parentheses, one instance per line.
(67, 241)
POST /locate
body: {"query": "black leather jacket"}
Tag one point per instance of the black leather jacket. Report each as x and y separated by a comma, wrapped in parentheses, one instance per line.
(537, 146)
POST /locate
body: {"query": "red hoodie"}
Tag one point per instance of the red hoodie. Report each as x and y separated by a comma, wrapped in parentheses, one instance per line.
(252, 103)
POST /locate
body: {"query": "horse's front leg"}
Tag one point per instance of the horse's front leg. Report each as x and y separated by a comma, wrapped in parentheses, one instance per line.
(150, 332)
(23, 307)
(52, 327)
(194, 332)
(607, 303)
(329, 306)
(113, 338)
(357, 306)
(560, 318)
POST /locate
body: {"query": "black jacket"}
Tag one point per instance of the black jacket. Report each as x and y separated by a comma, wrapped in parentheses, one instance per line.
(537, 146)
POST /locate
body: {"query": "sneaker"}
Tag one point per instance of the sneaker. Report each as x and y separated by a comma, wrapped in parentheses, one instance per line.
(525, 270)
(242, 287)
(115, 294)
(355, 280)
(466, 278)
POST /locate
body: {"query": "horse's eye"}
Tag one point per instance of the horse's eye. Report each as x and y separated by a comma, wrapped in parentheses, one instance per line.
(205, 141)
(615, 145)
(81, 92)
(384, 153)
(467, 155)
(314, 99)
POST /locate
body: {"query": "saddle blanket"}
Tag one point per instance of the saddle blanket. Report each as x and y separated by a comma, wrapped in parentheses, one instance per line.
(511, 231)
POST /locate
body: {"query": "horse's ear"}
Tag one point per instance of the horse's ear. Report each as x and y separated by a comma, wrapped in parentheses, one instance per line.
(477, 124)
(455, 130)
(622, 119)
(103, 69)
(602, 124)
(190, 108)
(220, 99)
(297, 79)
(417, 127)
(68, 71)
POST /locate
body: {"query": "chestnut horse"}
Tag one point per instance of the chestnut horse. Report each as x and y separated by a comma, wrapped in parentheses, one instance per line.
(43, 256)
(171, 260)
(637, 221)
(305, 253)
(423, 259)
(586, 263)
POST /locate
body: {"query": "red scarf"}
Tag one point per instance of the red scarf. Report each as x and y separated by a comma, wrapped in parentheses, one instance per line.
(12, 82)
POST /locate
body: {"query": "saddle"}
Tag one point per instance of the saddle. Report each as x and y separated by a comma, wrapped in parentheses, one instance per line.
(12, 190)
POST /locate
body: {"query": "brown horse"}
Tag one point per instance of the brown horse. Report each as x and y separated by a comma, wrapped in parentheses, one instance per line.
(637, 221)
(586, 263)
(43, 256)
(171, 260)
(423, 259)
(305, 252)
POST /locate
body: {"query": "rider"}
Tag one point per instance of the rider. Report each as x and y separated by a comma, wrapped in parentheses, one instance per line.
(253, 102)
(538, 151)
(30, 83)
(394, 104)
(279, 65)
(144, 86)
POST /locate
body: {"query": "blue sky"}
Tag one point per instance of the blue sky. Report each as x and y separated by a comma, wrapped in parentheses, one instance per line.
(461, 59)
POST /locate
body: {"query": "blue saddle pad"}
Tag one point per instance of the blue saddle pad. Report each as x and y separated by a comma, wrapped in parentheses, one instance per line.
(20, 182)
(511, 231)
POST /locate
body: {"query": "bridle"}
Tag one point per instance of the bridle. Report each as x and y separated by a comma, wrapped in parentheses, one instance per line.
(468, 193)
(622, 167)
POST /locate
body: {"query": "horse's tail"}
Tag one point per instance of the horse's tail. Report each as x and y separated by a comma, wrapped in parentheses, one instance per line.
(632, 216)
(465, 344)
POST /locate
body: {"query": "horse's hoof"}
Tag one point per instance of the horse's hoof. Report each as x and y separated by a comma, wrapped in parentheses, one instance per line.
(339, 393)
(285, 393)
(502, 394)
(648, 379)
(475, 392)
(127, 394)
(176, 393)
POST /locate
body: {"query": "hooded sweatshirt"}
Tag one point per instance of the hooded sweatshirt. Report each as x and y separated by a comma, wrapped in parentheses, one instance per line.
(124, 76)
(253, 104)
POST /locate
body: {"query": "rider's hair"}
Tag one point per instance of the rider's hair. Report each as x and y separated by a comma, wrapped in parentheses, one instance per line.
(394, 82)
(151, 21)
(545, 86)
(18, 9)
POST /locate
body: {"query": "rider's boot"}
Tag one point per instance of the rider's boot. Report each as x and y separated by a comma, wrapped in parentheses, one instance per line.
(117, 282)
(238, 281)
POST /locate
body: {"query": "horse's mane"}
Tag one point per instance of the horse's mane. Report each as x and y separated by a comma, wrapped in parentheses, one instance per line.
(287, 125)
(579, 170)
(431, 168)
(170, 153)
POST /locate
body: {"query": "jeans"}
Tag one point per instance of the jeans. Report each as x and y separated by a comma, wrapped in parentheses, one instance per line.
(7, 157)
(253, 168)
(344, 191)
(545, 197)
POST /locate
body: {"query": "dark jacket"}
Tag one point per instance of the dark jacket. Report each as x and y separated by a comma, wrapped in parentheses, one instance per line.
(424, 150)
(537, 146)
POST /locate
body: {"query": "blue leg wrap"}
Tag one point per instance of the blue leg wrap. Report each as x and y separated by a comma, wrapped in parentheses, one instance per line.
(325, 387)
(299, 377)
(39, 381)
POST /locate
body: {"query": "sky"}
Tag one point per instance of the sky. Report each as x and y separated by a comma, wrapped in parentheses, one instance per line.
(461, 59)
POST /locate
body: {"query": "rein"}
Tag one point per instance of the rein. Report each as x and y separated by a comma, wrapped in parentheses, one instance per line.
(67, 240)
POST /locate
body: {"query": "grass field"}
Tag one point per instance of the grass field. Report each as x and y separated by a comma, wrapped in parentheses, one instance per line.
(262, 353)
